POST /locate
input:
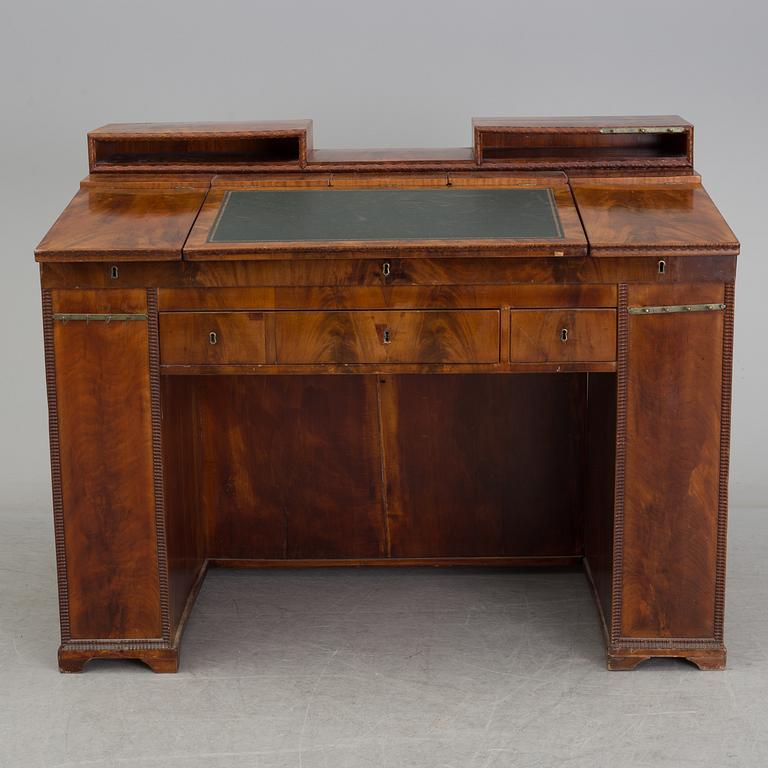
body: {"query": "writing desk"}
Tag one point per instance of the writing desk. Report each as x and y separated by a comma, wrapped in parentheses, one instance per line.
(259, 354)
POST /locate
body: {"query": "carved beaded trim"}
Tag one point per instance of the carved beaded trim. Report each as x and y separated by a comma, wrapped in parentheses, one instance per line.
(725, 441)
(53, 432)
(622, 341)
(686, 643)
(157, 460)
(117, 645)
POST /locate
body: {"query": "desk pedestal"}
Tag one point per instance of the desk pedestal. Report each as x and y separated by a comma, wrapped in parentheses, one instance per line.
(527, 453)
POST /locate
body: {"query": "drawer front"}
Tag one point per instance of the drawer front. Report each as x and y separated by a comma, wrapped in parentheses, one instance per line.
(563, 335)
(213, 338)
(408, 336)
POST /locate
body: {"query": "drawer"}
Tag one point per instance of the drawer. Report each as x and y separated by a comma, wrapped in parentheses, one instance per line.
(562, 335)
(214, 338)
(407, 336)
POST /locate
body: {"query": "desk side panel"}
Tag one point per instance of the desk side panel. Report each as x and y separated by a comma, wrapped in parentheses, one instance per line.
(600, 480)
(669, 562)
(105, 501)
(181, 466)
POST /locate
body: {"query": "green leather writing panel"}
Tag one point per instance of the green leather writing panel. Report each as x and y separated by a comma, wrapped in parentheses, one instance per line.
(312, 215)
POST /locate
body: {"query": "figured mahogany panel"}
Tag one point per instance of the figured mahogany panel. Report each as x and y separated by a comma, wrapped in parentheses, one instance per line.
(568, 335)
(483, 465)
(688, 293)
(665, 219)
(188, 338)
(388, 297)
(106, 460)
(129, 301)
(410, 336)
(467, 270)
(117, 225)
(672, 473)
(290, 467)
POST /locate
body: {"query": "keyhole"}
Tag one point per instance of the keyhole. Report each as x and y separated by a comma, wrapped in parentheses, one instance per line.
(564, 334)
(114, 273)
(386, 269)
(662, 266)
(387, 336)
(213, 338)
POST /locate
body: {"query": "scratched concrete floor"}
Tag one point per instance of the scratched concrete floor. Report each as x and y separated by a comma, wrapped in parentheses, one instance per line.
(359, 668)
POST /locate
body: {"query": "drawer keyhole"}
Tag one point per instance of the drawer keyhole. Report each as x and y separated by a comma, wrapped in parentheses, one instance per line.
(662, 266)
(114, 273)
(387, 336)
(213, 338)
(386, 269)
(564, 334)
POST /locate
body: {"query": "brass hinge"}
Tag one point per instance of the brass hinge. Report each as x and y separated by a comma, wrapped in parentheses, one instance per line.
(663, 310)
(654, 129)
(65, 317)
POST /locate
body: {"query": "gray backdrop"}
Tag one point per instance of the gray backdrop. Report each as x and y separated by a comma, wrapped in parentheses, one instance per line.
(394, 73)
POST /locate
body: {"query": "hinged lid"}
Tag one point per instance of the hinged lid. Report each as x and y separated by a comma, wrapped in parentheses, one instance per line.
(628, 218)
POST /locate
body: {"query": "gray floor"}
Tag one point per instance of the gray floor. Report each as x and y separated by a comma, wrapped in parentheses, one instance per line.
(358, 668)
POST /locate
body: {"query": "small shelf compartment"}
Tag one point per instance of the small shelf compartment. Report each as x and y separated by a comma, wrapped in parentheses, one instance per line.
(581, 146)
(170, 147)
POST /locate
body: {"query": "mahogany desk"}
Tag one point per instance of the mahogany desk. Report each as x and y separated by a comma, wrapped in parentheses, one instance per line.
(259, 354)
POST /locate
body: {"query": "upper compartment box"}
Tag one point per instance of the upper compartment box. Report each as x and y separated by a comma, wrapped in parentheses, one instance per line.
(217, 148)
(565, 143)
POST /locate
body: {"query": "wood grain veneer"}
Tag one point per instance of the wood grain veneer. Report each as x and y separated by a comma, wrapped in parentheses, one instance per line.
(672, 468)
(410, 336)
(390, 403)
(211, 338)
(663, 220)
(572, 335)
(104, 423)
(116, 225)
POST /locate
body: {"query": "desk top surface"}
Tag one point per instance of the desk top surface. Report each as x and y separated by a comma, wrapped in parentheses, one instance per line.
(145, 223)
(328, 215)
